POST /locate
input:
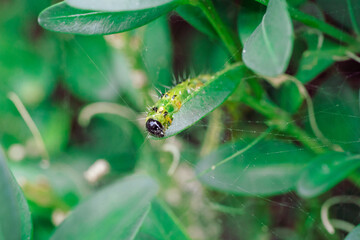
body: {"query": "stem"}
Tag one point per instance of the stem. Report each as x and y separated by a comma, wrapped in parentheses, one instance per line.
(231, 42)
(311, 114)
(281, 121)
(32, 127)
(331, 202)
(316, 23)
(353, 56)
(353, 18)
(89, 111)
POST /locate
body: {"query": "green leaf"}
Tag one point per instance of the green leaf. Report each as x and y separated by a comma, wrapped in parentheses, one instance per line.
(54, 124)
(269, 168)
(205, 54)
(119, 5)
(295, 3)
(337, 113)
(317, 58)
(312, 9)
(354, 234)
(250, 16)
(63, 18)
(349, 9)
(161, 224)
(115, 212)
(124, 69)
(212, 95)
(15, 220)
(312, 64)
(106, 140)
(88, 70)
(25, 71)
(157, 53)
(289, 97)
(268, 50)
(62, 184)
(195, 17)
(326, 171)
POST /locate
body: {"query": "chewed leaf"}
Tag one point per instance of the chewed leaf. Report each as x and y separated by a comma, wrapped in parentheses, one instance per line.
(63, 18)
(118, 5)
(268, 168)
(268, 50)
(317, 58)
(117, 211)
(214, 92)
(325, 172)
(15, 220)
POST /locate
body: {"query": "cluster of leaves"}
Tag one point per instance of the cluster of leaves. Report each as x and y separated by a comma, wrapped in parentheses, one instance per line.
(274, 48)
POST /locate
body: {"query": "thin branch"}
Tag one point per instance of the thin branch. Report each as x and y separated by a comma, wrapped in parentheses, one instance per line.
(32, 127)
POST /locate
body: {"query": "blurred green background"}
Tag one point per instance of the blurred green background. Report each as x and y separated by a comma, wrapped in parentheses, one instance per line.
(88, 96)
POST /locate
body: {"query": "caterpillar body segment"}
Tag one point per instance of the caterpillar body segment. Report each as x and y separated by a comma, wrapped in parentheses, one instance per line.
(160, 116)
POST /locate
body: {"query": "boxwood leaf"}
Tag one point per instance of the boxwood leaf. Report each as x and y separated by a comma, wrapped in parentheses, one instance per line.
(63, 18)
(312, 64)
(119, 5)
(89, 71)
(288, 97)
(250, 16)
(62, 185)
(194, 16)
(354, 234)
(161, 224)
(326, 171)
(54, 125)
(268, 168)
(212, 95)
(317, 58)
(115, 212)
(157, 53)
(107, 133)
(15, 220)
(349, 17)
(267, 51)
(337, 116)
(205, 54)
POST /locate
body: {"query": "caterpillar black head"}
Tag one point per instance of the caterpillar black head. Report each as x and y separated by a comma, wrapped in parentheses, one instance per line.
(155, 128)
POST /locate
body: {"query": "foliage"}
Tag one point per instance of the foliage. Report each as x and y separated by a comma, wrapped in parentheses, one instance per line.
(263, 150)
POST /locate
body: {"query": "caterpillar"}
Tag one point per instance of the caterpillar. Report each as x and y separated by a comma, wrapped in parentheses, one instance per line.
(160, 116)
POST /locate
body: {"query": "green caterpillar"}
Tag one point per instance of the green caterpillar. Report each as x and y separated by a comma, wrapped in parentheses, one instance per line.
(160, 116)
